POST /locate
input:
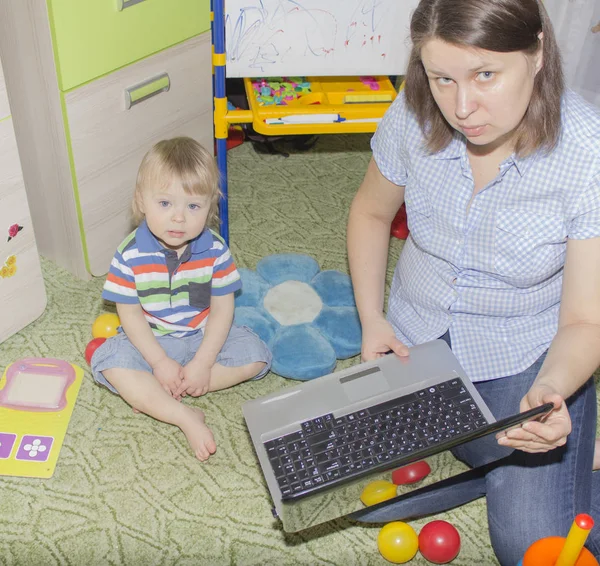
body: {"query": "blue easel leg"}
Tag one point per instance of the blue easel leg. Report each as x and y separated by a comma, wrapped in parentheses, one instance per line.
(223, 203)
(220, 97)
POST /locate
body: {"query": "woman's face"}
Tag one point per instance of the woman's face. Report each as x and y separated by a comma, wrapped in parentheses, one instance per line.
(482, 94)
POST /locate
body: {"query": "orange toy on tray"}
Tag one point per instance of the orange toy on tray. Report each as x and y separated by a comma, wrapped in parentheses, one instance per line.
(559, 551)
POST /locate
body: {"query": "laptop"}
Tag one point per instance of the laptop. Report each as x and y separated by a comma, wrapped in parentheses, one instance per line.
(321, 442)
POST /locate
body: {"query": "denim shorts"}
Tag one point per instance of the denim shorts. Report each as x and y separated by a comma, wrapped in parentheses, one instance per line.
(241, 347)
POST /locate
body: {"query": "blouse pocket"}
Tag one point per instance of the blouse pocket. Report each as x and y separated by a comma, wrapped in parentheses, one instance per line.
(418, 214)
(529, 245)
(417, 200)
(200, 294)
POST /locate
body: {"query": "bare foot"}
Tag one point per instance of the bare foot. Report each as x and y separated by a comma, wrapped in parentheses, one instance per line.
(596, 465)
(198, 435)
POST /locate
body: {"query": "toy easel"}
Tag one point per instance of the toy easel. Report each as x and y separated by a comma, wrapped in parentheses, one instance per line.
(339, 105)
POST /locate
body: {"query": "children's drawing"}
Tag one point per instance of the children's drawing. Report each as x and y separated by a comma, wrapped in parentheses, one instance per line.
(317, 37)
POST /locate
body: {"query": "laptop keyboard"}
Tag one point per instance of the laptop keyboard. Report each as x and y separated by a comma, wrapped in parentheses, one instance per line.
(329, 450)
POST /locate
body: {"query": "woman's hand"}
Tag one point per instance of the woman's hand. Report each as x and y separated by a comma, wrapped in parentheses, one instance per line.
(378, 339)
(540, 436)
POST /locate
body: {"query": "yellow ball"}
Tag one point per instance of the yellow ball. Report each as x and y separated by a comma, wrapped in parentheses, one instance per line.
(105, 325)
(398, 542)
(378, 491)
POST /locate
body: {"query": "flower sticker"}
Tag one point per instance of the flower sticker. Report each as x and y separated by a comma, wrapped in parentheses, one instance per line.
(13, 231)
(9, 268)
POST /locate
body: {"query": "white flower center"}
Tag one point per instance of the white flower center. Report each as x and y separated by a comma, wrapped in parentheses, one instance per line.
(293, 302)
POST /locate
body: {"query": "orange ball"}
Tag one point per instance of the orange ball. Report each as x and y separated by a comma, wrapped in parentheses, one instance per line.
(546, 551)
(105, 325)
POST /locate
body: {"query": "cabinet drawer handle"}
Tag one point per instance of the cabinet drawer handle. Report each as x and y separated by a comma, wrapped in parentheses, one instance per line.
(122, 4)
(147, 89)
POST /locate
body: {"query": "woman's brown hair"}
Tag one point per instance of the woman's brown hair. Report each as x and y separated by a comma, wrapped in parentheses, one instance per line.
(183, 159)
(494, 25)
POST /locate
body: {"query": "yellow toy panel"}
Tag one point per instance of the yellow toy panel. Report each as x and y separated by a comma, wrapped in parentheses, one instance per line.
(37, 397)
(318, 105)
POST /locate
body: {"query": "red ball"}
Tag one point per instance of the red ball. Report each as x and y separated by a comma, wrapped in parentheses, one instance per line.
(411, 473)
(399, 228)
(92, 347)
(439, 542)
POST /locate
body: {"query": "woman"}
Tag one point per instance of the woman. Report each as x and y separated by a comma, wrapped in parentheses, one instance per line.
(499, 167)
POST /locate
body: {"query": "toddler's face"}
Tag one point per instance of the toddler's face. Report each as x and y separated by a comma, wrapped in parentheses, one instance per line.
(173, 216)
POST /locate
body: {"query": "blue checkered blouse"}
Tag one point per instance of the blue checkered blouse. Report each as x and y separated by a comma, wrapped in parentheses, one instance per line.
(493, 276)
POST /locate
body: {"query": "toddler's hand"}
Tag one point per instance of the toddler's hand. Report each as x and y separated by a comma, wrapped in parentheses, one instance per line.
(196, 378)
(169, 374)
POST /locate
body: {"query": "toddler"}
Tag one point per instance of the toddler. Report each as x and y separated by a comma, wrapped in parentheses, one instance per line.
(173, 281)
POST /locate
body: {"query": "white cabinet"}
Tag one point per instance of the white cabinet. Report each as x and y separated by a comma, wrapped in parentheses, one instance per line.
(108, 139)
(22, 293)
(81, 145)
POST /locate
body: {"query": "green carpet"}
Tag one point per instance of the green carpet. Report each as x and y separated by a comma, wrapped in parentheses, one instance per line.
(126, 489)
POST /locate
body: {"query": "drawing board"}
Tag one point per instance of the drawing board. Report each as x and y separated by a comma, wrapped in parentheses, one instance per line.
(37, 397)
(267, 38)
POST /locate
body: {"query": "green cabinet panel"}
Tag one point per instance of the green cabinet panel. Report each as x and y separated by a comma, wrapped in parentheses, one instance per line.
(93, 37)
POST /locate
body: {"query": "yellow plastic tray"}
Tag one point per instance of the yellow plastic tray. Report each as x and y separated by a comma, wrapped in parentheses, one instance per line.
(333, 105)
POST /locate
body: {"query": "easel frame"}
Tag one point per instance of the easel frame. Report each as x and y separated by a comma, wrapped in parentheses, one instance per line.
(363, 118)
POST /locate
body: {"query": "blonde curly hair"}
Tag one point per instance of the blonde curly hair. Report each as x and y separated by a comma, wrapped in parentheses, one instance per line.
(179, 158)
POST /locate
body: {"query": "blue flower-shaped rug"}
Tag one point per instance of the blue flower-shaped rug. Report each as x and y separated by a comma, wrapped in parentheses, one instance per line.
(306, 316)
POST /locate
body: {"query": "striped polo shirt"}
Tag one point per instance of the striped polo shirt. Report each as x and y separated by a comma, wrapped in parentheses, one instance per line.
(174, 292)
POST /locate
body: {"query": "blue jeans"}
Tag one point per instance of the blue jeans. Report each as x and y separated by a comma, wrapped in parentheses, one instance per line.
(529, 496)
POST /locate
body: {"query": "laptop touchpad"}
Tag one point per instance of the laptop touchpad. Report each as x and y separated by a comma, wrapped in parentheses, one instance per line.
(364, 384)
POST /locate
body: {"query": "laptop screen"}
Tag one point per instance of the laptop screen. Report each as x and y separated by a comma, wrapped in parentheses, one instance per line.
(338, 502)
